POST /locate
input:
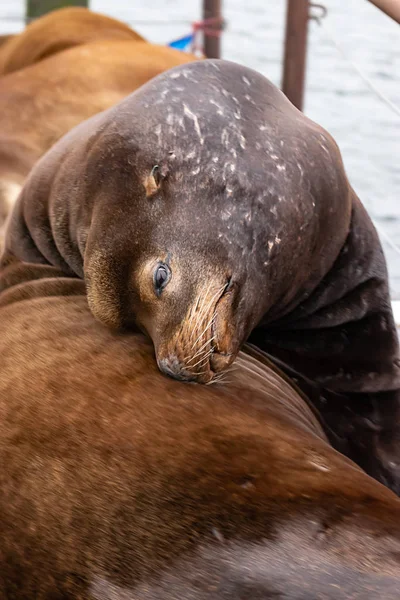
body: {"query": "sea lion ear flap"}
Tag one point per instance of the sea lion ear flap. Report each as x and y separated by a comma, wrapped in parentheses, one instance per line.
(103, 289)
(154, 179)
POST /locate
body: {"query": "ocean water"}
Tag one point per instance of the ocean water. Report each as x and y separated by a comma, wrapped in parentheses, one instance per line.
(365, 127)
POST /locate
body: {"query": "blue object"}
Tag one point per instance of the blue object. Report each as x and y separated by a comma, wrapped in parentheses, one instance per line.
(182, 43)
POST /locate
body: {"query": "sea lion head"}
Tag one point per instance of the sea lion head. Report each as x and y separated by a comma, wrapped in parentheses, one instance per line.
(196, 227)
(177, 270)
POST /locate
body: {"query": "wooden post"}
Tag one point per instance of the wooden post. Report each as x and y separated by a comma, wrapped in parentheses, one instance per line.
(389, 7)
(37, 8)
(212, 43)
(294, 68)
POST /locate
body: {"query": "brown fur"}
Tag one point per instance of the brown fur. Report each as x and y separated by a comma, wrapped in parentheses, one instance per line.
(6, 38)
(119, 483)
(57, 31)
(247, 209)
(41, 103)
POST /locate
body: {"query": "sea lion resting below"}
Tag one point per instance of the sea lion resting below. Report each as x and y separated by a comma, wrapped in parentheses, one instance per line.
(58, 30)
(41, 103)
(119, 483)
(207, 209)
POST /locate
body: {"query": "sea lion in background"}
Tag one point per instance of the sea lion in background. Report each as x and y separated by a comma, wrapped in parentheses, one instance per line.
(57, 31)
(206, 209)
(41, 103)
(119, 483)
(6, 38)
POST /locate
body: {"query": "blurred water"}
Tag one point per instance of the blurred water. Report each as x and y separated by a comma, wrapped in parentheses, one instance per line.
(367, 132)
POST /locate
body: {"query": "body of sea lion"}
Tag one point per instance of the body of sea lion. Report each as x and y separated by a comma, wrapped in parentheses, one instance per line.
(57, 31)
(5, 37)
(118, 483)
(206, 209)
(40, 103)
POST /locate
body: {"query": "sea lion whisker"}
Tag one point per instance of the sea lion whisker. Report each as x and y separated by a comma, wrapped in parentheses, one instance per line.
(200, 350)
(202, 360)
(200, 305)
(198, 372)
(203, 332)
(221, 378)
(218, 292)
(197, 304)
(207, 307)
(205, 294)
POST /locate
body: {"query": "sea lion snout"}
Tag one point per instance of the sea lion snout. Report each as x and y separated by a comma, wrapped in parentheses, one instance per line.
(206, 341)
(172, 367)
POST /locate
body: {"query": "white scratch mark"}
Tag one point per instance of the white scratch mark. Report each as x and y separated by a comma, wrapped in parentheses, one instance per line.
(157, 131)
(195, 120)
(219, 107)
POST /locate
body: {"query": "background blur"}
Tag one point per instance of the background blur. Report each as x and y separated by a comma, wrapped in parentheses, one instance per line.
(366, 129)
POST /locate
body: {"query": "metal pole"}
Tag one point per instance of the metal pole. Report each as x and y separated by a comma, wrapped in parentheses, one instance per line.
(212, 43)
(295, 51)
(37, 8)
(389, 7)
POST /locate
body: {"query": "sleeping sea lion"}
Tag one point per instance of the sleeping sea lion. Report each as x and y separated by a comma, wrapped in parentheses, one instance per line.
(57, 31)
(118, 483)
(208, 210)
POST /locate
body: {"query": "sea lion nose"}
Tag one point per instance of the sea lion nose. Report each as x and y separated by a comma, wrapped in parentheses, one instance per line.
(172, 367)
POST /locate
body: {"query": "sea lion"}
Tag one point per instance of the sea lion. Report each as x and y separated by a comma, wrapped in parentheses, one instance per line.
(5, 37)
(208, 210)
(57, 31)
(119, 483)
(39, 104)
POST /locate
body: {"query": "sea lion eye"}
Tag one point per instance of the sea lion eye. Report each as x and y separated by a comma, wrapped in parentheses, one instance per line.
(162, 275)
